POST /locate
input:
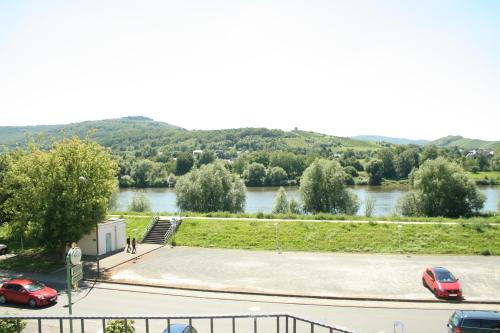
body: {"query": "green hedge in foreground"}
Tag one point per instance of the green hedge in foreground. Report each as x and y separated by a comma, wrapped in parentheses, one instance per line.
(468, 239)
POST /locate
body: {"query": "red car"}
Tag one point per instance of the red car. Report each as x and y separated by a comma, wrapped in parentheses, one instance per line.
(28, 292)
(442, 282)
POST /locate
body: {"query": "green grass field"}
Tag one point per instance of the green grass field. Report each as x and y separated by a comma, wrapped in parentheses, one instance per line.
(468, 239)
(492, 177)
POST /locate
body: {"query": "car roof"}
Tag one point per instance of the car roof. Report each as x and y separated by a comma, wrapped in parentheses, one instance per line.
(22, 282)
(476, 314)
(177, 328)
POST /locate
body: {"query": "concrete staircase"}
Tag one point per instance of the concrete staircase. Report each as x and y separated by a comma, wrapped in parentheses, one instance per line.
(159, 231)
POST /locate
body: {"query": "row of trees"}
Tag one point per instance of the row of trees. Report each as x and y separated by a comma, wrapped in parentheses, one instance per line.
(439, 188)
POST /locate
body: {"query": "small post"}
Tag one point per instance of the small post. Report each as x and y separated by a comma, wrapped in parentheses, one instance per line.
(278, 246)
(399, 237)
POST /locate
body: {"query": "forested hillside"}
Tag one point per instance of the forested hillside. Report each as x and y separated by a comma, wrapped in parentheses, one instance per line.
(152, 153)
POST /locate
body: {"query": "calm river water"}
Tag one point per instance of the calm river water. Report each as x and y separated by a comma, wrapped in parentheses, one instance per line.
(261, 199)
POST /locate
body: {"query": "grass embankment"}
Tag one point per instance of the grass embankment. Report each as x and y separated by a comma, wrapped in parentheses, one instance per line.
(485, 177)
(469, 239)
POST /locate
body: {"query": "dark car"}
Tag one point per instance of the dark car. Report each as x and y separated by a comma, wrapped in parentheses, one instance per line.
(442, 282)
(474, 322)
(180, 328)
(29, 292)
(3, 249)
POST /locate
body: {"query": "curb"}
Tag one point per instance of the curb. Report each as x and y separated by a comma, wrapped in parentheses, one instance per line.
(270, 294)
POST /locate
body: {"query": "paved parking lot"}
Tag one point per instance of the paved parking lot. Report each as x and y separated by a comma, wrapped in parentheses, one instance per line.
(322, 274)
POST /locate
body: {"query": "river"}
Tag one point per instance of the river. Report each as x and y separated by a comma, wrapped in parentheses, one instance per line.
(261, 199)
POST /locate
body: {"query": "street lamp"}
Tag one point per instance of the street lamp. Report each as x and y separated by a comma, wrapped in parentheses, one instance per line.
(82, 179)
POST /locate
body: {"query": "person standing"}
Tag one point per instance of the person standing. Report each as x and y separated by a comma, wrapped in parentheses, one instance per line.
(128, 244)
(134, 244)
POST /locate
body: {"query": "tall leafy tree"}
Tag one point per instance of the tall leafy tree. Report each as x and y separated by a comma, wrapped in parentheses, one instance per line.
(183, 164)
(281, 204)
(210, 188)
(386, 155)
(255, 174)
(375, 170)
(322, 188)
(59, 195)
(406, 161)
(442, 188)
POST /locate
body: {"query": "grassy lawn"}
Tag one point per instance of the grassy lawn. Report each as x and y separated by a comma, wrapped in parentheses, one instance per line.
(34, 259)
(137, 222)
(469, 239)
(492, 177)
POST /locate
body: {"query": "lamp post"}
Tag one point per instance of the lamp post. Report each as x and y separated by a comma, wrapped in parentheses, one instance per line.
(82, 179)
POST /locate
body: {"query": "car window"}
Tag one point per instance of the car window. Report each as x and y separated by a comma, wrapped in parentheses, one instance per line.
(430, 274)
(490, 323)
(445, 276)
(193, 330)
(473, 323)
(16, 287)
(455, 319)
(34, 286)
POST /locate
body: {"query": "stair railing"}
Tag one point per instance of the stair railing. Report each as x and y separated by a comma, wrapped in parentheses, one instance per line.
(174, 224)
(154, 219)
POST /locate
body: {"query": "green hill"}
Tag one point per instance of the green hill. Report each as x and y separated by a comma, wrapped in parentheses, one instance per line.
(464, 143)
(131, 134)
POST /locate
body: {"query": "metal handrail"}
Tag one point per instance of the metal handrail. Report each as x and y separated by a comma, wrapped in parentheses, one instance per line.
(154, 219)
(288, 327)
(174, 225)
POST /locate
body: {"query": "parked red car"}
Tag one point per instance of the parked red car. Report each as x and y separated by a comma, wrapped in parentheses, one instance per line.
(28, 292)
(442, 282)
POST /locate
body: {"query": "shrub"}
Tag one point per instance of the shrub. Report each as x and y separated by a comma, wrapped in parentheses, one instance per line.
(9, 325)
(118, 326)
(140, 202)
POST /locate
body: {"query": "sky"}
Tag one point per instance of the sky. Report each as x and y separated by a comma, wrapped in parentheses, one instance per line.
(418, 69)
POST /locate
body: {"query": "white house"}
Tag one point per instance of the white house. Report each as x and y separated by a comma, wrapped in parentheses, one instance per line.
(112, 237)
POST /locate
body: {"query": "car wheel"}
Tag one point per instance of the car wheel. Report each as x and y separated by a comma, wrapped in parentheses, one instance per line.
(32, 302)
(3, 300)
(423, 283)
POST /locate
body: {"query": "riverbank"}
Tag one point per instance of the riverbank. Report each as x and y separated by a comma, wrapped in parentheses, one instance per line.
(475, 237)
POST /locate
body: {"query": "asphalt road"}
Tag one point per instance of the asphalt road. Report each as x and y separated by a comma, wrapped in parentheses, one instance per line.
(363, 317)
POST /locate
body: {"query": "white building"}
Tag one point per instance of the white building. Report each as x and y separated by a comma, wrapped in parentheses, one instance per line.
(112, 237)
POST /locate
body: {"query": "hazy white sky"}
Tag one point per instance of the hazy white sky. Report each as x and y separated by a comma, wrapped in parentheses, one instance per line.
(414, 69)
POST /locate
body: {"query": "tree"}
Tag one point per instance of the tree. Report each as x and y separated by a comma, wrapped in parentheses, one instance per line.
(375, 170)
(276, 176)
(60, 194)
(441, 188)
(323, 189)
(386, 155)
(140, 202)
(281, 205)
(210, 188)
(183, 164)
(430, 152)
(206, 157)
(255, 174)
(495, 162)
(406, 161)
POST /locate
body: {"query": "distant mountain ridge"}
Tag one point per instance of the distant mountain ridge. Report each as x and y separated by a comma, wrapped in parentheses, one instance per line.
(397, 141)
(464, 143)
(129, 134)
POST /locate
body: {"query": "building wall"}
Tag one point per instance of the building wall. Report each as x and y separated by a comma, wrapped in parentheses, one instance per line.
(117, 229)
